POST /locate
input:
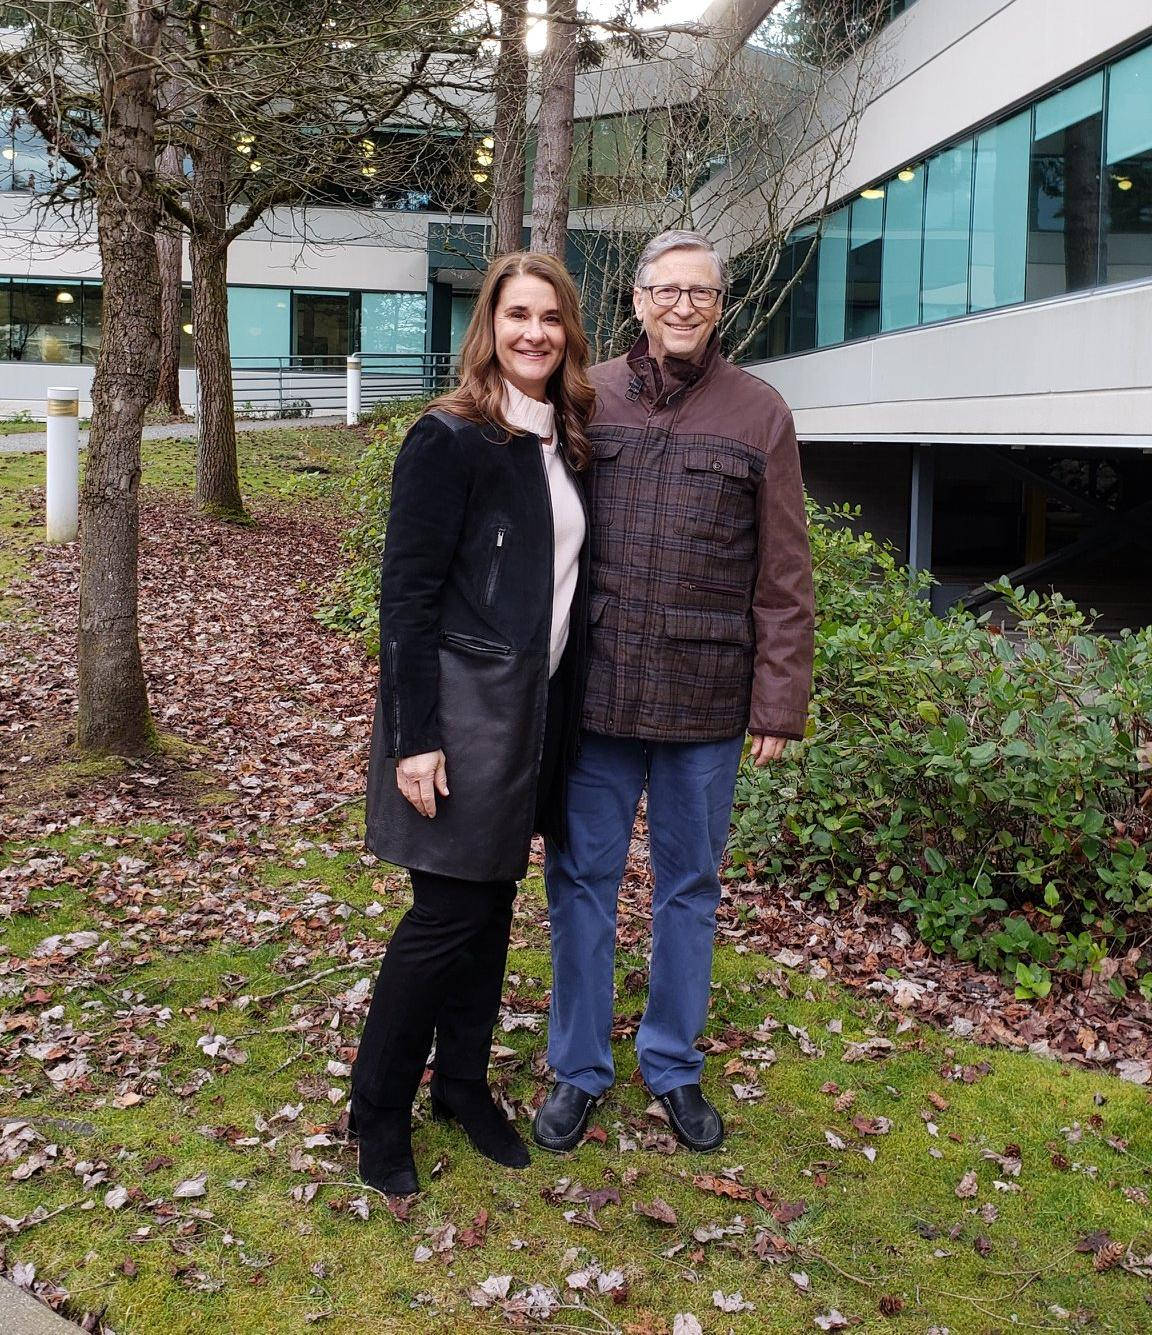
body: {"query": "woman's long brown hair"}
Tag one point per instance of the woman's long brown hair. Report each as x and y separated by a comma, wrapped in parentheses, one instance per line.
(480, 395)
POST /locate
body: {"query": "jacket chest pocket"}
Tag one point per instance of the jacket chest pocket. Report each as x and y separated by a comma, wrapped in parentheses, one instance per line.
(712, 496)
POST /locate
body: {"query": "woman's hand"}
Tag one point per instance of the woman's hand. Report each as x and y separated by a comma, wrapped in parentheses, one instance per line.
(420, 778)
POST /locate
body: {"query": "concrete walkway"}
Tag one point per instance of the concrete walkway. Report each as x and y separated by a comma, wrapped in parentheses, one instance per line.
(32, 442)
(21, 1314)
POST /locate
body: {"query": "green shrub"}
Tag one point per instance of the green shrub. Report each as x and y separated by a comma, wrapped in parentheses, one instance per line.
(984, 782)
(355, 593)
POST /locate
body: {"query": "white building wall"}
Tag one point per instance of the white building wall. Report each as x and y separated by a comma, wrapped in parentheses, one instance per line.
(1077, 367)
(1073, 370)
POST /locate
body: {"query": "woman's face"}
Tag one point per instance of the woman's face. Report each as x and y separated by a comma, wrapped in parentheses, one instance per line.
(529, 333)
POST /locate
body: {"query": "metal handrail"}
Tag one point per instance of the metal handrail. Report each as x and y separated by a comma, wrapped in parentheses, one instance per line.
(306, 384)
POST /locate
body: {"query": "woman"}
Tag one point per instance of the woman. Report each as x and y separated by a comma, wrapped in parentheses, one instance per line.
(482, 594)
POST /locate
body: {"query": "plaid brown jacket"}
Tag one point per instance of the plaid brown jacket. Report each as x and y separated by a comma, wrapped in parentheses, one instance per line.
(701, 586)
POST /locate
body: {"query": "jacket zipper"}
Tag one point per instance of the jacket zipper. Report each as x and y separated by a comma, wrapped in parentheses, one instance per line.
(395, 696)
(494, 570)
(697, 587)
(472, 644)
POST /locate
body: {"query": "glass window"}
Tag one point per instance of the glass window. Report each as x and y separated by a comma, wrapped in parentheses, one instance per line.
(393, 322)
(462, 304)
(1127, 242)
(833, 279)
(1064, 191)
(321, 324)
(1000, 214)
(47, 322)
(92, 316)
(187, 347)
(32, 166)
(5, 320)
(903, 238)
(258, 321)
(864, 253)
(947, 224)
(805, 251)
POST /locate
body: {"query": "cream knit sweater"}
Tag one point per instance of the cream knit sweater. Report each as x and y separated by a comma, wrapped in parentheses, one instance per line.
(527, 414)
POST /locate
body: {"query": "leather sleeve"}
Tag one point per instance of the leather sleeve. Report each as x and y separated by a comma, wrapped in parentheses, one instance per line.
(430, 487)
(782, 610)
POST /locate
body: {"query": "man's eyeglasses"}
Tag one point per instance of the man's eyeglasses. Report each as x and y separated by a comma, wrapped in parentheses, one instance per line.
(666, 294)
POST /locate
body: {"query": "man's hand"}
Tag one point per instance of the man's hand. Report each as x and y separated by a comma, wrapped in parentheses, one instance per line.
(420, 778)
(766, 748)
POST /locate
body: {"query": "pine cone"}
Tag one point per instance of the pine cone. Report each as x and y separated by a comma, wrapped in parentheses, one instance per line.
(1108, 1256)
(891, 1305)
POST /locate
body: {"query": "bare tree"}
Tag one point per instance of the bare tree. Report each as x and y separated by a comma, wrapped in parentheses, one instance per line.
(509, 129)
(170, 262)
(739, 140)
(282, 105)
(120, 39)
(554, 130)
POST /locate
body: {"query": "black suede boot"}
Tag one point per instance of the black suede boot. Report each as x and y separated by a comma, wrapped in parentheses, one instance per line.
(384, 1158)
(471, 1103)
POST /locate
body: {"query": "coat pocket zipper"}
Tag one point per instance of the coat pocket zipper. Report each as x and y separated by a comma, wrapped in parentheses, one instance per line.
(494, 569)
(395, 696)
(472, 644)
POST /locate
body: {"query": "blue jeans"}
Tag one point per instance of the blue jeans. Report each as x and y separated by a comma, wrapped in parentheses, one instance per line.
(690, 787)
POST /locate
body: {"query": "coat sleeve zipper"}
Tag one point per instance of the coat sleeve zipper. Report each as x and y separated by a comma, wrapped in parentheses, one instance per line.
(494, 569)
(395, 696)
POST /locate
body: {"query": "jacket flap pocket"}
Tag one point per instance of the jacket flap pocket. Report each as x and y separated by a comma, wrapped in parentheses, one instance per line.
(715, 461)
(681, 623)
(596, 605)
(605, 446)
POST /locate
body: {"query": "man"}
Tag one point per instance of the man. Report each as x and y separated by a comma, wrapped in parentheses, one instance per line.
(701, 615)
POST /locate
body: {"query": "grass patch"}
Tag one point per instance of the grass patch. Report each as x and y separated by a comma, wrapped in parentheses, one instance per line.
(21, 520)
(252, 1259)
(286, 462)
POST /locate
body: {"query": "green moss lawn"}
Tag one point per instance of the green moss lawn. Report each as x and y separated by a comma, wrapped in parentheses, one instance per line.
(181, 1072)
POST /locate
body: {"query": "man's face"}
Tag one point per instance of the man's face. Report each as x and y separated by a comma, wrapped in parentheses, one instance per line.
(681, 330)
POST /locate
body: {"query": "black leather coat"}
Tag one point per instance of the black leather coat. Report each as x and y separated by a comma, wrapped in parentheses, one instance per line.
(465, 621)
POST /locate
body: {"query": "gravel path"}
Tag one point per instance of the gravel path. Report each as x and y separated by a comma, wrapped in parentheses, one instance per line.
(32, 442)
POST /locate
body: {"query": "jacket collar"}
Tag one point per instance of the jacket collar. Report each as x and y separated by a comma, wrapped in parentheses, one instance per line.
(677, 376)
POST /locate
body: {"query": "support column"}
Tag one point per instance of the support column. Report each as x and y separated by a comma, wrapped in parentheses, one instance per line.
(923, 493)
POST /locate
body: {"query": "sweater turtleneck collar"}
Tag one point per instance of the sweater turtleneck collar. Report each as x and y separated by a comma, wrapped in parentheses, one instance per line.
(527, 414)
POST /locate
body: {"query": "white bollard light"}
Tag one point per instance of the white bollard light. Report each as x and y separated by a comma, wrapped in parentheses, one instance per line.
(62, 487)
(354, 389)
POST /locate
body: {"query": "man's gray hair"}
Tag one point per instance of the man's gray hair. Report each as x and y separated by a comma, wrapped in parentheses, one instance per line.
(674, 240)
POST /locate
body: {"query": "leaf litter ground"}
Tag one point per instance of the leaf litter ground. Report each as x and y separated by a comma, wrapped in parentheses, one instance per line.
(189, 946)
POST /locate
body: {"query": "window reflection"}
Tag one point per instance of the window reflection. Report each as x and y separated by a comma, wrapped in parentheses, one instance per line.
(1127, 240)
(947, 223)
(863, 277)
(47, 322)
(999, 211)
(1064, 204)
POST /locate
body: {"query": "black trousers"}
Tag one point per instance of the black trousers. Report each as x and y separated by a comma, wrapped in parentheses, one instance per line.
(443, 973)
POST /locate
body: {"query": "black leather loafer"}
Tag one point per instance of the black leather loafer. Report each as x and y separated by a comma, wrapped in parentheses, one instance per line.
(694, 1120)
(561, 1119)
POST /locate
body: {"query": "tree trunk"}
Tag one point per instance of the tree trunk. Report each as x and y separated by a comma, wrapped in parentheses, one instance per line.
(112, 697)
(169, 256)
(554, 131)
(509, 130)
(217, 472)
